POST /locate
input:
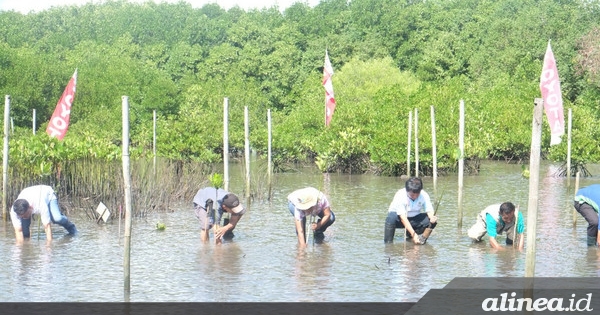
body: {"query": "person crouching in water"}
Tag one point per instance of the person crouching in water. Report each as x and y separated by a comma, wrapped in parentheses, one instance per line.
(311, 202)
(205, 207)
(496, 219)
(411, 209)
(42, 200)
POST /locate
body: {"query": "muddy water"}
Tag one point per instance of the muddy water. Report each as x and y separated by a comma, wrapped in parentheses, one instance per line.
(264, 264)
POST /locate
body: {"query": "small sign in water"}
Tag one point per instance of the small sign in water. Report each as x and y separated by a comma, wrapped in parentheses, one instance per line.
(103, 212)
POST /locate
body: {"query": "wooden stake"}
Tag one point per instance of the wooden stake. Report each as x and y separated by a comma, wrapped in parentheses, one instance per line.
(534, 174)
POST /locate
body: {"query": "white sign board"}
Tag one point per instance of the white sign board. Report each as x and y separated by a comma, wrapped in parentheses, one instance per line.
(103, 211)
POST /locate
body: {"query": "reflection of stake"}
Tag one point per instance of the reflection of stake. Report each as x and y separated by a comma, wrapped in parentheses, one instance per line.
(120, 215)
(428, 229)
(39, 224)
(437, 203)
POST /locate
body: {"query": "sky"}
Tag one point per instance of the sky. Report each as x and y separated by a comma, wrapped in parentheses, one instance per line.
(26, 6)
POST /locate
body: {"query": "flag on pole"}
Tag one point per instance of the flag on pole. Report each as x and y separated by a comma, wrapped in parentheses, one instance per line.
(59, 123)
(553, 104)
(329, 98)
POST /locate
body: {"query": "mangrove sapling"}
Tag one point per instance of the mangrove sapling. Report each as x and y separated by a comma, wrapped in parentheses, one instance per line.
(216, 181)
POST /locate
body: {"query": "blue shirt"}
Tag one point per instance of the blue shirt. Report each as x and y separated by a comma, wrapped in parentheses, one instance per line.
(589, 195)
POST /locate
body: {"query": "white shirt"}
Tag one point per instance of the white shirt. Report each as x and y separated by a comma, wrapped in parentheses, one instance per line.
(39, 198)
(401, 204)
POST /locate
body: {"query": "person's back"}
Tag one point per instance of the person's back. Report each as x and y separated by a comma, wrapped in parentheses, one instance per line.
(209, 206)
(207, 193)
(587, 203)
(590, 194)
(496, 219)
(38, 199)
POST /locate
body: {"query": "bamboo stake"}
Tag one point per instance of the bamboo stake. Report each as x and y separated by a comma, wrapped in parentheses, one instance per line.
(216, 225)
(226, 144)
(269, 155)
(574, 194)
(127, 188)
(154, 142)
(461, 160)
(5, 159)
(569, 151)
(534, 172)
(516, 224)
(408, 146)
(247, 150)
(120, 215)
(416, 143)
(433, 148)
(33, 121)
(38, 226)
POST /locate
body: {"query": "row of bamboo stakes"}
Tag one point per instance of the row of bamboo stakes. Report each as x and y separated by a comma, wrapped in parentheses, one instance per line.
(533, 179)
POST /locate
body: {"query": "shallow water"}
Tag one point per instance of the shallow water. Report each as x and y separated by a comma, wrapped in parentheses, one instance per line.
(264, 264)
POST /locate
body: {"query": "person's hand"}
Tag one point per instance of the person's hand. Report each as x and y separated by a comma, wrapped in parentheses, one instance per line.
(433, 219)
(416, 238)
(220, 232)
(314, 226)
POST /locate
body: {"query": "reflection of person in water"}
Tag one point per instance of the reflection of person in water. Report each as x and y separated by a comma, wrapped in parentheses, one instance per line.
(223, 263)
(411, 262)
(312, 274)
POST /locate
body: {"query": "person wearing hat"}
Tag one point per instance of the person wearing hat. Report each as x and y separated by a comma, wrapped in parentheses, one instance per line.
(411, 209)
(39, 199)
(310, 201)
(225, 202)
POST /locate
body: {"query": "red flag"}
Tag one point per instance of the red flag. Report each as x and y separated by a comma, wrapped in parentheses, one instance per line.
(59, 123)
(553, 105)
(329, 98)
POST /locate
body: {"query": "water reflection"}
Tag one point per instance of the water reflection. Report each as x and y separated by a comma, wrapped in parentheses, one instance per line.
(312, 272)
(410, 267)
(219, 269)
(31, 269)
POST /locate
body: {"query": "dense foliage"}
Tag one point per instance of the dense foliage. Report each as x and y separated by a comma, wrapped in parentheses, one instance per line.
(390, 58)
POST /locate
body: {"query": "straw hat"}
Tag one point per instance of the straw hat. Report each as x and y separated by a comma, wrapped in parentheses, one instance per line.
(304, 198)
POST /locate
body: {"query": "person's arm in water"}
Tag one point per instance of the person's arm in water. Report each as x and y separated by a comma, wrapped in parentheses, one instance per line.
(521, 244)
(48, 229)
(598, 237)
(301, 233)
(19, 235)
(491, 231)
(494, 243)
